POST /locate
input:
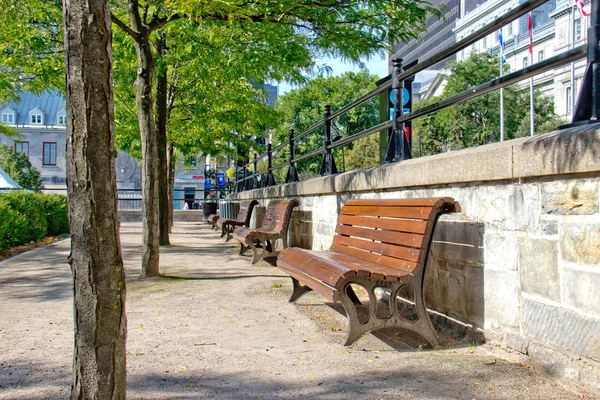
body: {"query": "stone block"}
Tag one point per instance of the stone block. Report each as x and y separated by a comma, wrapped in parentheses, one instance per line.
(484, 163)
(572, 150)
(580, 289)
(538, 266)
(570, 197)
(501, 251)
(474, 296)
(501, 293)
(562, 327)
(548, 228)
(580, 243)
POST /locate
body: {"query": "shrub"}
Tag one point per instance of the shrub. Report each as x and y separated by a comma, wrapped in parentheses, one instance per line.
(57, 213)
(12, 226)
(30, 208)
(27, 216)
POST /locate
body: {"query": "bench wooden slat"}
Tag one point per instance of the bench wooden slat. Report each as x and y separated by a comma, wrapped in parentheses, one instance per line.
(318, 266)
(412, 202)
(418, 213)
(317, 285)
(404, 253)
(393, 224)
(401, 265)
(398, 238)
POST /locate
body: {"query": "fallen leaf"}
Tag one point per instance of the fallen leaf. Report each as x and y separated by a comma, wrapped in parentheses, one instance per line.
(312, 379)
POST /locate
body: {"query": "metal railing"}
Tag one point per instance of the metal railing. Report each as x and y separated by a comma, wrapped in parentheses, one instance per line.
(398, 146)
(131, 199)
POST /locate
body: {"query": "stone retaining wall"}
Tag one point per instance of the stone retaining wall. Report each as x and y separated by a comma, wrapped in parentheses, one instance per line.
(520, 263)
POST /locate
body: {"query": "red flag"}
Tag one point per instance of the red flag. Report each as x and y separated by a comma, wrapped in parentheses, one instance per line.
(579, 4)
(530, 31)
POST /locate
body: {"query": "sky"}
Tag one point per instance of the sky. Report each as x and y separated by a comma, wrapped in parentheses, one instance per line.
(376, 66)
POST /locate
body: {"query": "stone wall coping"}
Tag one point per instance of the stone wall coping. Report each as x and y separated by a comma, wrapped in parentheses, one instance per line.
(570, 151)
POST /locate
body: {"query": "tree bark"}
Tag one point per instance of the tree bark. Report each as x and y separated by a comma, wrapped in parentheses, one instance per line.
(145, 110)
(95, 259)
(171, 180)
(161, 138)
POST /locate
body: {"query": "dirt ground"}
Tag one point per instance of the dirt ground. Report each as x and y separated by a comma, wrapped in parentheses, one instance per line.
(216, 327)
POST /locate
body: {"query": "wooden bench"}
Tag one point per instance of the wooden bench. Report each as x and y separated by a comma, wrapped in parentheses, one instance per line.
(377, 244)
(275, 226)
(243, 218)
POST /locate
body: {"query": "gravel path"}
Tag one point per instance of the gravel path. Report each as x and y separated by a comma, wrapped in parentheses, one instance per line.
(216, 327)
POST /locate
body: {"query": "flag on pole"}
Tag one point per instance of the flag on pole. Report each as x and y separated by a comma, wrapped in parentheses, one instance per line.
(530, 32)
(580, 5)
(501, 42)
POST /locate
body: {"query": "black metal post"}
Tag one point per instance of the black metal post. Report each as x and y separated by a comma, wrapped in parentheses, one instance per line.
(270, 177)
(328, 165)
(292, 175)
(587, 109)
(397, 148)
(255, 183)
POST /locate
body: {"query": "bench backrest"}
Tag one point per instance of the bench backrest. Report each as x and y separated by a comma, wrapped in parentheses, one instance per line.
(277, 215)
(392, 232)
(245, 213)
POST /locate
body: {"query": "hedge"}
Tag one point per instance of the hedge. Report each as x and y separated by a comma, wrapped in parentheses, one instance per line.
(30, 216)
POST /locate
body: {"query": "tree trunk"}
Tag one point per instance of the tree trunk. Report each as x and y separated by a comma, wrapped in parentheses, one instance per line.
(95, 259)
(145, 109)
(171, 180)
(161, 139)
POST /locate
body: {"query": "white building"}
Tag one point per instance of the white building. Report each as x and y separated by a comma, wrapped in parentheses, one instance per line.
(557, 27)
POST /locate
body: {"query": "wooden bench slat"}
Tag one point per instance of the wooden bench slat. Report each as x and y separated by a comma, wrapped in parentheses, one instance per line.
(401, 265)
(320, 287)
(412, 202)
(398, 238)
(394, 224)
(405, 253)
(418, 213)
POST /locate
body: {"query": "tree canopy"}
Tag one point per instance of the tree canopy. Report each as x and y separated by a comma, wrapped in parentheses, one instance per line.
(305, 106)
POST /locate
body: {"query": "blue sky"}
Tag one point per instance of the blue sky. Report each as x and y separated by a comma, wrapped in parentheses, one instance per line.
(376, 65)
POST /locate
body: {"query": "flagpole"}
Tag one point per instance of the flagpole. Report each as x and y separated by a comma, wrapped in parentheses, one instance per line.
(572, 99)
(501, 89)
(531, 105)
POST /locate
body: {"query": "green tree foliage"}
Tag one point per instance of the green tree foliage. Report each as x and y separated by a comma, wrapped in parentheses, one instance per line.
(303, 107)
(18, 167)
(477, 121)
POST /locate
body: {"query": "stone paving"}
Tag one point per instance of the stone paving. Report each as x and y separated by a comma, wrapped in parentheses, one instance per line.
(216, 327)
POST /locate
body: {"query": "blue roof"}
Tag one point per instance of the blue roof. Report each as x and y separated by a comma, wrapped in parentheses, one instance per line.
(51, 103)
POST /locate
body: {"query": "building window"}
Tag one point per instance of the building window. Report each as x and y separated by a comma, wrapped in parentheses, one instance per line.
(541, 55)
(62, 119)
(578, 29)
(36, 119)
(525, 61)
(568, 98)
(8, 118)
(49, 154)
(23, 147)
(510, 29)
(484, 42)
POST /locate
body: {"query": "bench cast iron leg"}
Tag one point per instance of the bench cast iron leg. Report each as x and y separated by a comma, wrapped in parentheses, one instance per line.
(356, 329)
(256, 255)
(298, 290)
(223, 230)
(243, 248)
